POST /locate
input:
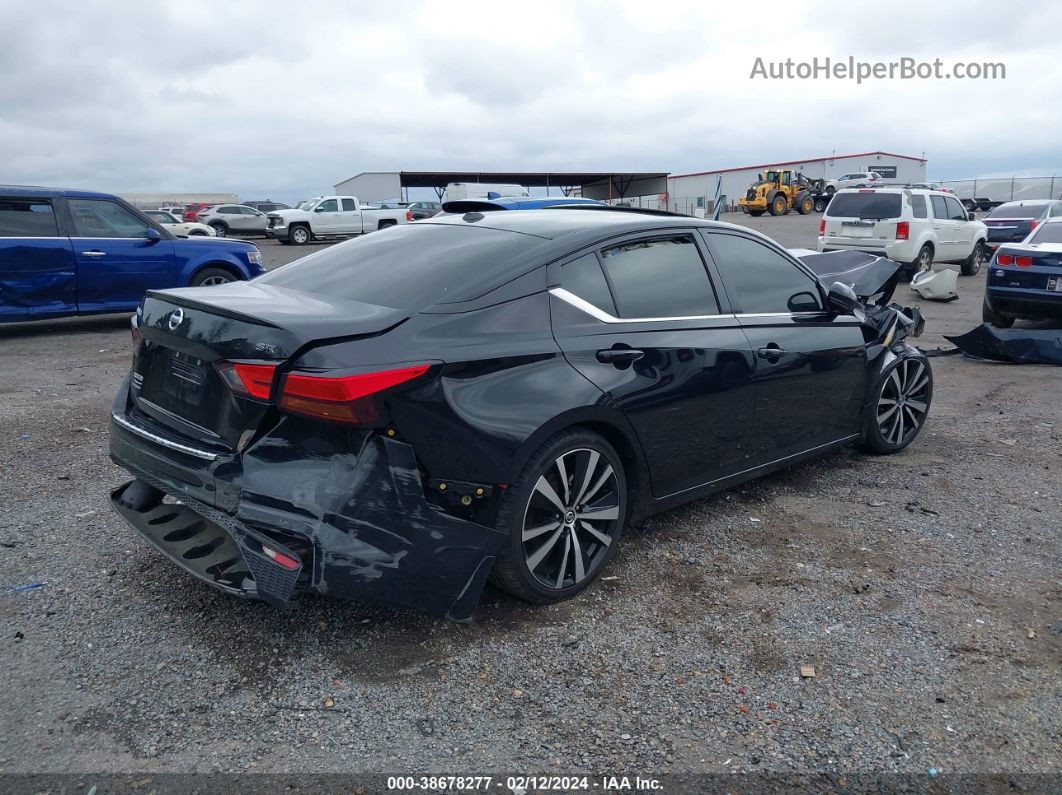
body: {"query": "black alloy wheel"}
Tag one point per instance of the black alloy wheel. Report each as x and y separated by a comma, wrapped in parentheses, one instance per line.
(901, 403)
(565, 518)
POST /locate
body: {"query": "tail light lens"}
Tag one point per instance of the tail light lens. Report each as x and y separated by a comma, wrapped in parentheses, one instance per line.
(1023, 262)
(1004, 259)
(409, 215)
(348, 399)
(248, 380)
(1033, 225)
(822, 227)
(282, 560)
(903, 230)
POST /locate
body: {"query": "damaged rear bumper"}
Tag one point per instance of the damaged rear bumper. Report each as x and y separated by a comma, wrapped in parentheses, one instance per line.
(356, 527)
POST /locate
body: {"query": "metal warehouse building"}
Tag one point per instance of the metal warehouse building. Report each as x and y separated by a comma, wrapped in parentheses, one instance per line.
(693, 193)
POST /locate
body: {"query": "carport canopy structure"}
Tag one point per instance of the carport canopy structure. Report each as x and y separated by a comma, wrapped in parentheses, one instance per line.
(592, 184)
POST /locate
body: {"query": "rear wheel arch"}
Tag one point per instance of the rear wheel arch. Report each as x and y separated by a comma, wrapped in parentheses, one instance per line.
(612, 426)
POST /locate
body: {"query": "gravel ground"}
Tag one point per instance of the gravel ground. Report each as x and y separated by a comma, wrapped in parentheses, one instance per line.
(924, 589)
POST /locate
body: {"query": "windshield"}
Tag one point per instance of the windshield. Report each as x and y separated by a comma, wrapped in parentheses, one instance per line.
(407, 267)
(864, 205)
(1048, 233)
(1018, 211)
(306, 205)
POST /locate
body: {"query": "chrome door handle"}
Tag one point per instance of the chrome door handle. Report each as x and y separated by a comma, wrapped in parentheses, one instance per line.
(771, 353)
(94, 253)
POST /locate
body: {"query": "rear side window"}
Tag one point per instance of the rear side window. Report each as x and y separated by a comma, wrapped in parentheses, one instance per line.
(1048, 233)
(584, 278)
(918, 206)
(872, 204)
(102, 218)
(760, 280)
(348, 204)
(659, 278)
(27, 218)
(940, 207)
(411, 266)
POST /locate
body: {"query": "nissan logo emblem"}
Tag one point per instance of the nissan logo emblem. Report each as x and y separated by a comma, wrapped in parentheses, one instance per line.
(176, 319)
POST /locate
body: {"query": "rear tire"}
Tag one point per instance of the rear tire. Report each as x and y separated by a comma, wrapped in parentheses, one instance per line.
(899, 406)
(209, 277)
(385, 224)
(972, 264)
(299, 235)
(993, 318)
(220, 230)
(830, 190)
(820, 205)
(546, 514)
(924, 260)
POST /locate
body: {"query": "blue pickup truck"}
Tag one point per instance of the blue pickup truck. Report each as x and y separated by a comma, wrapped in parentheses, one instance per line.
(74, 252)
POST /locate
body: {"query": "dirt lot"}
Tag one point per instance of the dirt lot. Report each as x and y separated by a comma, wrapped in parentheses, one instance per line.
(924, 589)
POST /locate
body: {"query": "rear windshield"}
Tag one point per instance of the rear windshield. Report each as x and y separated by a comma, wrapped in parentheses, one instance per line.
(1018, 211)
(409, 267)
(864, 205)
(1048, 233)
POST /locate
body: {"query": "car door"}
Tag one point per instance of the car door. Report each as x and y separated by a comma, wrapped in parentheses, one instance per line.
(116, 261)
(254, 222)
(350, 216)
(943, 229)
(963, 230)
(810, 372)
(640, 319)
(327, 219)
(38, 277)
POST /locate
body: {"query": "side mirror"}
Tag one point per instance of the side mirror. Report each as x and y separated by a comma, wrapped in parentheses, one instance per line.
(805, 301)
(318, 209)
(152, 234)
(970, 216)
(842, 299)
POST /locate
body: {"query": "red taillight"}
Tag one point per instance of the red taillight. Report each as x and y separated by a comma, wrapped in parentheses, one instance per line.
(1032, 226)
(1004, 259)
(822, 227)
(248, 380)
(866, 190)
(409, 215)
(1023, 262)
(903, 230)
(344, 398)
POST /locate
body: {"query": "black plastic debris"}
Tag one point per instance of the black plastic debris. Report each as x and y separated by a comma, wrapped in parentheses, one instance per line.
(1019, 346)
(870, 276)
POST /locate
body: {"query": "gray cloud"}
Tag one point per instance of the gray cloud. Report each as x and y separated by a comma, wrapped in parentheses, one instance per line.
(237, 96)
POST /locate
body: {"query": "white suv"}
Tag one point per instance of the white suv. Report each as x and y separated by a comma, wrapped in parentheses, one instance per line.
(913, 226)
(862, 179)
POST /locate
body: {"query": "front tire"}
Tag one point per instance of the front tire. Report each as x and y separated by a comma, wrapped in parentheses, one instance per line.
(972, 264)
(779, 205)
(899, 406)
(299, 235)
(820, 205)
(565, 516)
(220, 230)
(755, 213)
(209, 277)
(806, 205)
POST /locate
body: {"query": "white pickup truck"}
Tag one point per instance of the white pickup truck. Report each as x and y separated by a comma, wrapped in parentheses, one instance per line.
(330, 217)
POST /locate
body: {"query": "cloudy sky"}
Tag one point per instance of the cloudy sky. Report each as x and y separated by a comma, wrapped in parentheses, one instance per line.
(285, 99)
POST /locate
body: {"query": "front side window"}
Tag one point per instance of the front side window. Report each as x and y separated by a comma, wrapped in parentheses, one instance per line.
(583, 277)
(27, 218)
(328, 206)
(955, 210)
(348, 205)
(659, 278)
(102, 218)
(760, 280)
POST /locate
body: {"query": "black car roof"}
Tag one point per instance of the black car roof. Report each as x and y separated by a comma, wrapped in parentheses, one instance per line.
(551, 223)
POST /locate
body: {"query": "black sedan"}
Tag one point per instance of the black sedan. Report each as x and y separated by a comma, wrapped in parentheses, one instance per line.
(1014, 221)
(401, 417)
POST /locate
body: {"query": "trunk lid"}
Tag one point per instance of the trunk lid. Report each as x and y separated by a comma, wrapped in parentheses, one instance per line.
(1005, 230)
(187, 331)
